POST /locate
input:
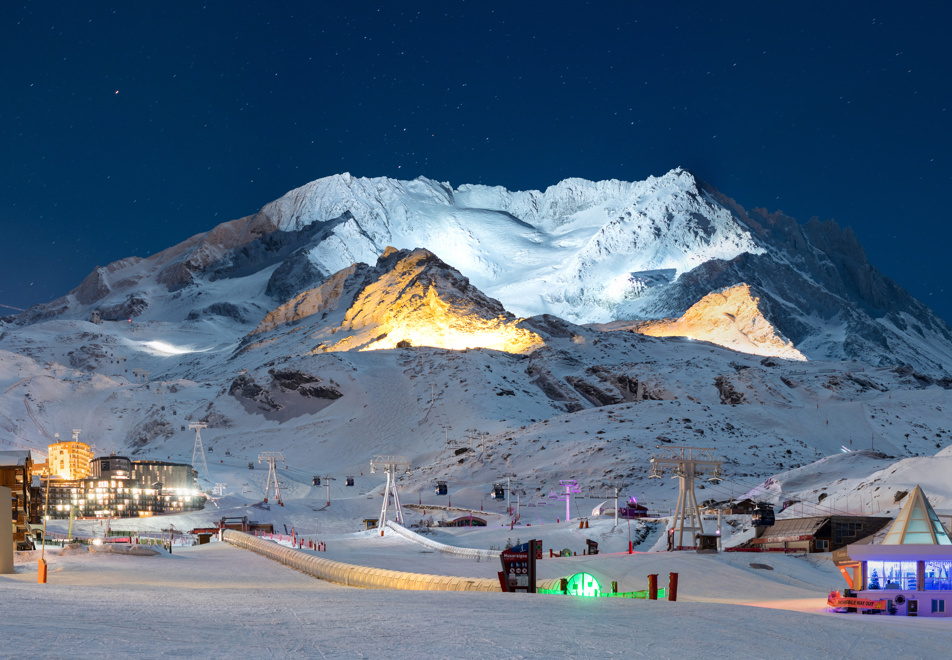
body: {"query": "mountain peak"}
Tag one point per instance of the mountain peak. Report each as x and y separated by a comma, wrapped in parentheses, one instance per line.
(586, 251)
(731, 318)
(409, 298)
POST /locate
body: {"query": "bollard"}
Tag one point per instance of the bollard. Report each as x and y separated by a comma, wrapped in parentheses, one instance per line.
(631, 547)
(673, 586)
(653, 586)
(41, 572)
(614, 586)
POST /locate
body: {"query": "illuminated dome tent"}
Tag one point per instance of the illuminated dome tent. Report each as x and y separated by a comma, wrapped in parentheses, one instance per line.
(583, 584)
(912, 564)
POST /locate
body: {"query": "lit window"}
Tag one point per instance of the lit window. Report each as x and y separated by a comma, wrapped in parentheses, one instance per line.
(891, 575)
(938, 575)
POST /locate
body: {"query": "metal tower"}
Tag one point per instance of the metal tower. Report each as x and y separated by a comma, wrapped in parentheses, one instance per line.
(198, 453)
(687, 463)
(271, 458)
(391, 465)
(570, 486)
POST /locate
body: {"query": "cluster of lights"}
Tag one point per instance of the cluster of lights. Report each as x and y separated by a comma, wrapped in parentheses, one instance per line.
(113, 498)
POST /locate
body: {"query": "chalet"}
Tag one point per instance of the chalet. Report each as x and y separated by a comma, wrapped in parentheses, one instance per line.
(818, 533)
(15, 470)
(730, 508)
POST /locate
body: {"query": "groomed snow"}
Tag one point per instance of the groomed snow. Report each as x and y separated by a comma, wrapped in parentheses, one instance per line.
(218, 601)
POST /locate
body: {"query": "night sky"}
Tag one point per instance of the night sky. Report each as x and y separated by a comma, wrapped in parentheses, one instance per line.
(126, 129)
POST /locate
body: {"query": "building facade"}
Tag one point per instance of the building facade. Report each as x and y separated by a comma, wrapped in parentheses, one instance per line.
(911, 569)
(16, 467)
(121, 488)
(818, 533)
(70, 460)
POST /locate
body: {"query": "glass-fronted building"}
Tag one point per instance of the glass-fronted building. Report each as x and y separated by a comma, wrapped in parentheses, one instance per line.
(911, 568)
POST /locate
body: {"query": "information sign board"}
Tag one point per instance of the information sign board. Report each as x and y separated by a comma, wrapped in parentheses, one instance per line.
(519, 567)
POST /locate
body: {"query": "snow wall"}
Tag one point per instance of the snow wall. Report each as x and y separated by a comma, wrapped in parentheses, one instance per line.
(471, 553)
(362, 576)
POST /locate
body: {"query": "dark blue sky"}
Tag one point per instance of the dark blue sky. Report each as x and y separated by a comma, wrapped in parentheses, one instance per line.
(127, 129)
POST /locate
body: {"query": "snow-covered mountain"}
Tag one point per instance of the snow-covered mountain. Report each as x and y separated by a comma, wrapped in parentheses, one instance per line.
(355, 317)
(588, 252)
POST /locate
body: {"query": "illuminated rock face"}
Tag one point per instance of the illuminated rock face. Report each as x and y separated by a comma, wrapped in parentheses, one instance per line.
(409, 298)
(730, 318)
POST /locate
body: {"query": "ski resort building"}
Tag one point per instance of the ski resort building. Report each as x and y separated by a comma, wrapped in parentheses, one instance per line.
(70, 460)
(911, 568)
(121, 488)
(818, 533)
(15, 469)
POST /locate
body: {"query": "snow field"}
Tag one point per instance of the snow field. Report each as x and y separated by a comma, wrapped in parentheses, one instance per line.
(218, 601)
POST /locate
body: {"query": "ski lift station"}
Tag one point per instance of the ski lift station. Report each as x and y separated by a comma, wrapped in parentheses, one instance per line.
(908, 573)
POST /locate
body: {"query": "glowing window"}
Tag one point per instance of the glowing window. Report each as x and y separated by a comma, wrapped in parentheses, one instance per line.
(938, 575)
(891, 575)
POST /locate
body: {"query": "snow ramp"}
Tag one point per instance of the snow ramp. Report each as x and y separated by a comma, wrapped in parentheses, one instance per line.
(351, 575)
(471, 553)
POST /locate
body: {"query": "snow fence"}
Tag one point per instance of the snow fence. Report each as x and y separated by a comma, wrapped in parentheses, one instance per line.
(365, 577)
(471, 553)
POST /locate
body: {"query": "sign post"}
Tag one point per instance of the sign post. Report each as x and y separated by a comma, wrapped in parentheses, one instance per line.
(519, 567)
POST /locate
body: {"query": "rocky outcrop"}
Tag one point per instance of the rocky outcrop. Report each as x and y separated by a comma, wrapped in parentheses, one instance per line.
(730, 318)
(221, 309)
(408, 298)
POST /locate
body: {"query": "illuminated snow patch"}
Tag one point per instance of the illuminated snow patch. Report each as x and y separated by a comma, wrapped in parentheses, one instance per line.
(165, 349)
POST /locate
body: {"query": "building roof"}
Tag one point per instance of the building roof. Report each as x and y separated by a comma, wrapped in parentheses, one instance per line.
(14, 457)
(917, 524)
(793, 527)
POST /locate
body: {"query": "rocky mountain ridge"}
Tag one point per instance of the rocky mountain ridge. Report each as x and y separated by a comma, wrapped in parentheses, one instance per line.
(590, 252)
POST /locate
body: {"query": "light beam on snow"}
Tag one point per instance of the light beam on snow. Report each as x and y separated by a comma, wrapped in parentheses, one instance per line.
(730, 318)
(165, 349)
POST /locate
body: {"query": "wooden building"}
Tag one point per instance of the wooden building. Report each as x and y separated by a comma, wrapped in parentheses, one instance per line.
(16, 467)
(818, 533)
(730, 508)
